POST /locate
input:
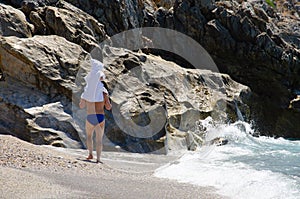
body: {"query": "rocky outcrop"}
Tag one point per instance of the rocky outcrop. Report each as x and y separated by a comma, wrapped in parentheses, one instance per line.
(116, 16)
(156, 102)
(69, 22)
(39, 71)
(251, 41)
(57, 18)
(30, 115)
(267, 60)
(50, 124)
(39, 76)
(256, 45)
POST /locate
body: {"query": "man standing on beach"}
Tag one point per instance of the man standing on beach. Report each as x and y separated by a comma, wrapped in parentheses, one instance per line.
(95, 98)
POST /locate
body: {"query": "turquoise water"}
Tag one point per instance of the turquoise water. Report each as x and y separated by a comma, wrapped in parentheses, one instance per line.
(247, 167)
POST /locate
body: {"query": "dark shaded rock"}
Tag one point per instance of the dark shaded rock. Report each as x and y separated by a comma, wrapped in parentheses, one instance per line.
(13, 122)
(115, 15)
(39, 24)
(29, 4)
(257, 47)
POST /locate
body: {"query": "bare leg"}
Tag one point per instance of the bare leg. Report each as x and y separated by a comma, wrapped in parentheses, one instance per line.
(89, 138)
(99, 129)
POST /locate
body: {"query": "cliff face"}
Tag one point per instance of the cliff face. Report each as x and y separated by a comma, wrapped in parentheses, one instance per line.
(43, 44)
(254, 43)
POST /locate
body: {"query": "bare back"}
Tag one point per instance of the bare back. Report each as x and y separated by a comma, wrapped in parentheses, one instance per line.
(95, 107)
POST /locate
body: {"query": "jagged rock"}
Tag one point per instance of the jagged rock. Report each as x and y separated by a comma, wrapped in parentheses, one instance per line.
(219, 141)
(13, 22)
(254, 43)
(49, 63)
(115, 15)
(69, 22)
(189, 19)
(50, 125)
(257, 47)
(145, 88)
(40, 26)
(165, 3)
(39, 71)
(13, 122)
(62, 19)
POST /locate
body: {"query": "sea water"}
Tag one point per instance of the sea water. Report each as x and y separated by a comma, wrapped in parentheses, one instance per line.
(246, 167)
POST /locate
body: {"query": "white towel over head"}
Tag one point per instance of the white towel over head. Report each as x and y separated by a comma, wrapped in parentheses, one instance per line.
(93, 91)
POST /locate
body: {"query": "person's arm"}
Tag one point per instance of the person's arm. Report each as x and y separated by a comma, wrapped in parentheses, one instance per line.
(82, 103)
(107, 103)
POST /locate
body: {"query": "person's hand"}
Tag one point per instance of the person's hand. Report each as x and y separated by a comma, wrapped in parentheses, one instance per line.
(107, 105)
(82, 103)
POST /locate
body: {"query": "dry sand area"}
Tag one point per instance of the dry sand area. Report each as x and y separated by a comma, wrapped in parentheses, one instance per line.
(32, 171)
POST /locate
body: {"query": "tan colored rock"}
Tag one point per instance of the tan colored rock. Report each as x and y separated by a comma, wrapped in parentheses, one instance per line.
(69, 22)
(48, 63)
(164, 3)
(39, 71)
(154, 99)
(13, 22)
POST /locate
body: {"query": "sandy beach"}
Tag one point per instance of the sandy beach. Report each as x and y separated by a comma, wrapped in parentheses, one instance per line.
(32, 171)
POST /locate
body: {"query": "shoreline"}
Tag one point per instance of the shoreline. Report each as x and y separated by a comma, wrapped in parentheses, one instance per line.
(34, 171)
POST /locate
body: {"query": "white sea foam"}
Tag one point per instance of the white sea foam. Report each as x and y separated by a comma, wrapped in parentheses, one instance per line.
(247, 167)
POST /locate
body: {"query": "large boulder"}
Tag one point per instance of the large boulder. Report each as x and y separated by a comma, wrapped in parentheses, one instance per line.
(156, 102)
(48, 63)
(39, 77)
(31, 116)
(38, 72)
(13, 22)
(53, 17)
(69, 22)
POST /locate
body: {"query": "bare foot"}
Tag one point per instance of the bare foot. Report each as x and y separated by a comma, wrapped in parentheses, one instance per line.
(90, 157)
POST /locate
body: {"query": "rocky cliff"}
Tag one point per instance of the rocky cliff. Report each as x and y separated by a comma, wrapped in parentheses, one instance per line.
(255, 43)
(44, 43)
